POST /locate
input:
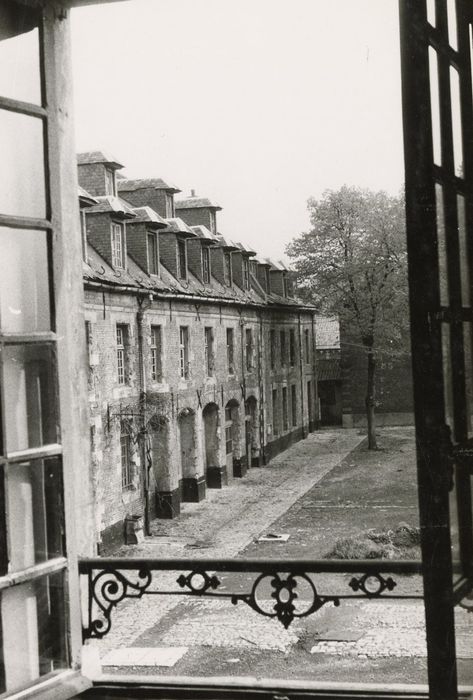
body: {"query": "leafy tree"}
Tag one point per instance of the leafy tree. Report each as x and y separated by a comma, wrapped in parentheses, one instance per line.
(353, 263)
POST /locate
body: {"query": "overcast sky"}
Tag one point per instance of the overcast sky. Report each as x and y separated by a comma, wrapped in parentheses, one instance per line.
(257, 104)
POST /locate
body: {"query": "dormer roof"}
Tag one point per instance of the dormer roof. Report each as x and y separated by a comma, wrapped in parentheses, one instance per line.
(114, 205)
(85, 198)
(177, 225)
(155, 183)
(193, 202)
(204, 233)
(226, 244)
(90, 157)
(148, 216)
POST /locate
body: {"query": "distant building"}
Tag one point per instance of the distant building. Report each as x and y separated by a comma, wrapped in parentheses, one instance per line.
(201, 360)
(329, 374)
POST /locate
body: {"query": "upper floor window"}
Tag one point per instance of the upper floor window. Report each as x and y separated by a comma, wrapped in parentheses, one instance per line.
(230, 351)
(110, 182)
(246, 273)
(209, 350)
(282, 341)
(182, 260)
(292, 347)
(213, 222)
(206, 264)
(307, 344)
(118, 246)
(249, 350)
(122, 336)
(268, 279)
(272, 348)
(125, 456)
(294, 405)
(285, 285)
(275, 412)
(184, 352)
(170, 211)
(156, 353)
(285, 419)
(227, 269)
(153, 254)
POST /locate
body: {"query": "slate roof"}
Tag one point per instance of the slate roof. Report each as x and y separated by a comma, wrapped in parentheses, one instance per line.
(90, 157)
(327, 332)
(205, 233)
(149, 216)
(112, 204)
(177, 225)
(86, 198)
(155, 183)
(196, 203)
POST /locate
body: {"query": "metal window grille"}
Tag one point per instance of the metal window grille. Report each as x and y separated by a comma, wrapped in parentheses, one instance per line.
(156, 353)
(125, 457)
(249, 349)
(181, 260)
(227, 269)
(285, 421)
(275, 412)
(294, 404)
(153, 254)
(184, 351)
(206, 264)
(209, 350)
(230, 351)
(121, 356)
(292, 347)
(118, 253)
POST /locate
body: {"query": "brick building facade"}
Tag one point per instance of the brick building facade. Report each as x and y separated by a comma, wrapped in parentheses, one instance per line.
(201, 360)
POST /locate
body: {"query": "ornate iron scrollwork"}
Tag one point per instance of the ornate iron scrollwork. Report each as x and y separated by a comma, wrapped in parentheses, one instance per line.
(372, 585)
(192, 581)
(106, 590)
(284, 594)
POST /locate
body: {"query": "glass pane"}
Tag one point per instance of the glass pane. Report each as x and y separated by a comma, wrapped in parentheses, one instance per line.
(435, 105)
(452, 24)
(442, 247)
(24, 288)
(456, 122)
(33, 630)
(431, 12)
(447, 376)
(20, 77)
(30, 391)
(22, 165)
(463, 251)
(34, 512)
(468, 349)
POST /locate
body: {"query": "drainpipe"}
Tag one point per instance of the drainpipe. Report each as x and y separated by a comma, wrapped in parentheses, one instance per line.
(301, 369)
(262, 426)
(143, 306)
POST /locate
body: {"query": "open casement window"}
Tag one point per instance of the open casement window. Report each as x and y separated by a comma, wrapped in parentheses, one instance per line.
(43, 369)
(436, 49)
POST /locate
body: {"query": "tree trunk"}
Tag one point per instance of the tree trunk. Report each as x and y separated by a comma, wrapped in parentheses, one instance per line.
(369, 401)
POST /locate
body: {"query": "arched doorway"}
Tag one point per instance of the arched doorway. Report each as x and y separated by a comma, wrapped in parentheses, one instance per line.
(163, 480)
(215, 474)
(251, 432)
(234, 462)
(193, 486)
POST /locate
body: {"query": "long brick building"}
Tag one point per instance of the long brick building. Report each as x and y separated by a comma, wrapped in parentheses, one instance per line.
(201, 360)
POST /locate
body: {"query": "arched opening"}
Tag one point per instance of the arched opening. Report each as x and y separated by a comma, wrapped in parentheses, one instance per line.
(215, 475)
(162, 480)
(235, 464)
(251, 432)
(191, 483)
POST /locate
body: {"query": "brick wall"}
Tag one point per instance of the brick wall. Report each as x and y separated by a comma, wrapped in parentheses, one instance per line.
(147, 197)
(98, 228)
(194, 257)
(137, 244)
(216, 264)
(92, 178)
(195, 217)
(237, 269)
(277, 284)
(168, 251)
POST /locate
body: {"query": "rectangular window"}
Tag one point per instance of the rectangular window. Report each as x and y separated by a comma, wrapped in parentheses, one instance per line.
(182, 260)
(292, 347)
(285, 285)
(294, 405)
(307, 344)
(246, 273)
(272, 348)
(122, 336)
(282, 342)
(156, 354)
(169, 206)
(209, 350)
(184, 351)
(110, 182)
(227, 269)
(213, 222)
(118, 246)
(249, 350)
(275, 412)
(285, 420)
(309, 401)
(228, 431)
(125, 456)
(206, 264)
(230, 351)
(153, 262)
(268, 280)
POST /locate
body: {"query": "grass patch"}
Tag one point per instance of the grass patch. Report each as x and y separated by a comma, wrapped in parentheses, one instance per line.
(401, 543)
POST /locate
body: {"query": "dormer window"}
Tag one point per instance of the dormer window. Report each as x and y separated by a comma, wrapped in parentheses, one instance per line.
(181, 260)
(285, 286)
(118, 246)
(206, 265)
(227, 269)
(246, 273)
(170, 211)
(213, 222)
(268, 280)
(110, 182)
(153, 263)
